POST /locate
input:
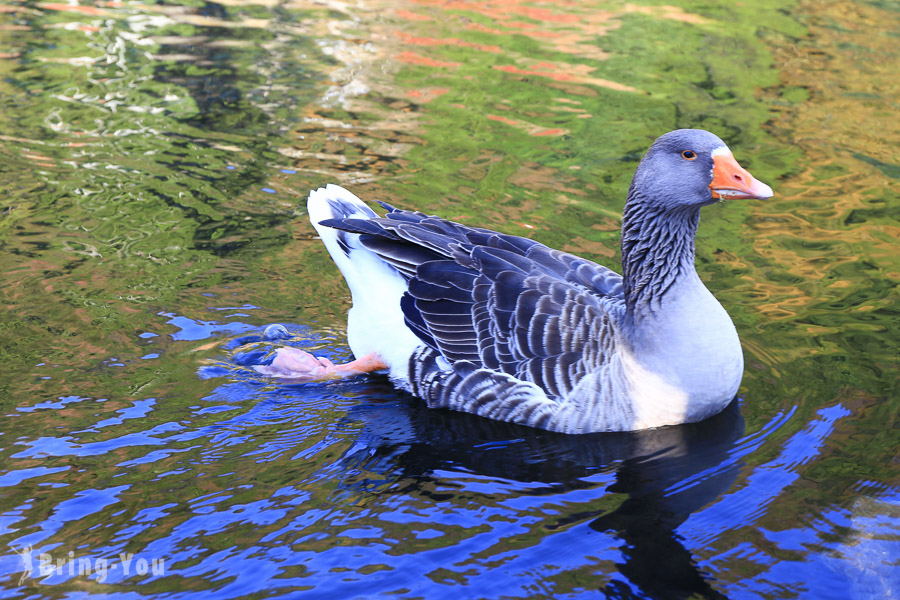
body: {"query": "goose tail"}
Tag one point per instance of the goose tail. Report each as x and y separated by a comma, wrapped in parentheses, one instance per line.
(375, 322)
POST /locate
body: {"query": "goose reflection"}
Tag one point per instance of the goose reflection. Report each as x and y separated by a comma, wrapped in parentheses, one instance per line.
(666, 474)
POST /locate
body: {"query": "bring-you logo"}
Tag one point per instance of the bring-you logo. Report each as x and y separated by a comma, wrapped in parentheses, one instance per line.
(46, 565)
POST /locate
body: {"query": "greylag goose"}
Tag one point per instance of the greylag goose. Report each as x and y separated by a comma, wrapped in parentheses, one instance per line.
(504, 327)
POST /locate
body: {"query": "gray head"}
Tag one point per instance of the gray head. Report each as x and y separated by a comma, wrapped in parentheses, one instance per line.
(692, 168)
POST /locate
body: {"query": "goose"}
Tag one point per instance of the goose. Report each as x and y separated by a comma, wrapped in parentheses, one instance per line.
(506, 328)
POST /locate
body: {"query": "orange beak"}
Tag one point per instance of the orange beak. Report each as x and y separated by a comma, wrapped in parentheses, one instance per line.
(732, 181)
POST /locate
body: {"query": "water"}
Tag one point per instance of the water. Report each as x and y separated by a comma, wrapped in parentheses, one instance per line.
(153, 167)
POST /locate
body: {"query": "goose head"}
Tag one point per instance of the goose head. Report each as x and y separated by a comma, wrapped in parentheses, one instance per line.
(690, 168)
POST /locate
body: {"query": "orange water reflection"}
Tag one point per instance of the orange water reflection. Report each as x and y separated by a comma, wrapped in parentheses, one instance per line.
(834, 211)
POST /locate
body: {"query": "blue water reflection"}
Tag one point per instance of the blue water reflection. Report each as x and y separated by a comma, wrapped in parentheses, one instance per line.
(189, 329)
(359, 490)
(391, 496)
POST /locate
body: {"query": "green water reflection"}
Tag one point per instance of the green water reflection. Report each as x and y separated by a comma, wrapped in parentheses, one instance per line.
(154, 162)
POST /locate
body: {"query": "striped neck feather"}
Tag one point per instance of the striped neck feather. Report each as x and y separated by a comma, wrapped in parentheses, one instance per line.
(657, 249)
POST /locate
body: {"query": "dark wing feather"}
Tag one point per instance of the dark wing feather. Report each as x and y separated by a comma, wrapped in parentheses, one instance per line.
(401, 255)
(495, 301)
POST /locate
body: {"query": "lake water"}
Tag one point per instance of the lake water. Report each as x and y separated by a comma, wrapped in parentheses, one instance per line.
(154, 164)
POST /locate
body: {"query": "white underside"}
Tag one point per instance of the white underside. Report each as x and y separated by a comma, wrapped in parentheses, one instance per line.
(685, 363)
(375, 322)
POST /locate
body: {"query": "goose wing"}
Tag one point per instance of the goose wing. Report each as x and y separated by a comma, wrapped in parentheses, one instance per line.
(499, 302)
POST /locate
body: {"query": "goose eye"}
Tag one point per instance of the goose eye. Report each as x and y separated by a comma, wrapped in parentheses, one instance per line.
(689, 155)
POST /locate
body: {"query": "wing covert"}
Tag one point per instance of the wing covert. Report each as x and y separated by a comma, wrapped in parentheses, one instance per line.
(498, 301)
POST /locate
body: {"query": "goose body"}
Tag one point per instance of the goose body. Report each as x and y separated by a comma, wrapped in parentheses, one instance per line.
(507, 328)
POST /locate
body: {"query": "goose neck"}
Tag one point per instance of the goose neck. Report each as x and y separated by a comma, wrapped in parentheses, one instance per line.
(657, 251)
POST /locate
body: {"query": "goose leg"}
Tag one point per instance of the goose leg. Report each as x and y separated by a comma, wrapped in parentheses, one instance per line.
(297, 365)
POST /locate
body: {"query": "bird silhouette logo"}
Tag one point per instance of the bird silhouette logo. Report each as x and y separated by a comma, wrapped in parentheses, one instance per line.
(27, 566)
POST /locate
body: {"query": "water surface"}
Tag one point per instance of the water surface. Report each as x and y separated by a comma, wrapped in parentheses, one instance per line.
(154, 162)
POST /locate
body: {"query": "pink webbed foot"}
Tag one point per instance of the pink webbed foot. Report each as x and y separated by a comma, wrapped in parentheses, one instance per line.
(297, 365)
(291, 363)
